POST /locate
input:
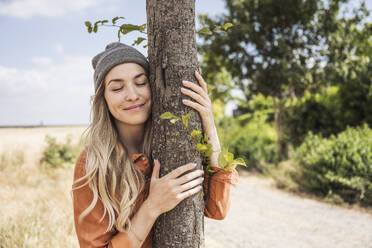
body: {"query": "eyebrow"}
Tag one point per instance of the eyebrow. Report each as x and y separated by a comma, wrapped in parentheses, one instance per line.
(121, 80)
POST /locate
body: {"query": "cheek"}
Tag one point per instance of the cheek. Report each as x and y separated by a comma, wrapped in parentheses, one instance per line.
(112, 101)
(148, 93)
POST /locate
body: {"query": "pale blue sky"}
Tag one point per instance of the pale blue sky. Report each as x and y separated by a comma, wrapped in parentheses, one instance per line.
(45, 56)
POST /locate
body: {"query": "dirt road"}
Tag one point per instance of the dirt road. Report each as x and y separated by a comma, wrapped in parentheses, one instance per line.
(261, 216)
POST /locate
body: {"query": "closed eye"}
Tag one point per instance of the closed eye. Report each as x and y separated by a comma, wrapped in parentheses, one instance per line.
(117, 89)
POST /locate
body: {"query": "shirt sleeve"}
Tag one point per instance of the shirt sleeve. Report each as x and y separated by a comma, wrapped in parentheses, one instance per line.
(218, 203)
(90, 232)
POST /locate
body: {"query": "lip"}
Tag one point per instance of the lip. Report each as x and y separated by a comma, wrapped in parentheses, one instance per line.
(135, 107)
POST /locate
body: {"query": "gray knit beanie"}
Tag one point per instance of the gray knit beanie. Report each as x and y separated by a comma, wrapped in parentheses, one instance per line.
(116, 53)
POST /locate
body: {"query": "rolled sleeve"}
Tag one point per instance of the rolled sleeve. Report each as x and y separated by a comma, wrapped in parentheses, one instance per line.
(218, 203)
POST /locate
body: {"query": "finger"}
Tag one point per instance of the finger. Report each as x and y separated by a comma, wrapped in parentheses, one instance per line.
(190, 184)
(155, 171)
(188, 193)
(201, 109)
(189, 176)
(202, 83)
(197, 89)
(195, 96)
(177, 172)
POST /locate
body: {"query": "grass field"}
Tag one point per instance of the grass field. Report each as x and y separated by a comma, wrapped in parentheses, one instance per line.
(35, 206)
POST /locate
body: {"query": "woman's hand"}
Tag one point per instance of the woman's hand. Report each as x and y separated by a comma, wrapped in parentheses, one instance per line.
(203, 105)
(166, 192)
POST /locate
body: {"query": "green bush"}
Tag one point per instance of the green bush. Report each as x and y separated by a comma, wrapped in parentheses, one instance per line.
(255, 142)
(319, 113)
(339, 166)
(56, 155)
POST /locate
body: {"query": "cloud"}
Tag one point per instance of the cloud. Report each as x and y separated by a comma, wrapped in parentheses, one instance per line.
(51, 8)
(58, 47)
(55, 93)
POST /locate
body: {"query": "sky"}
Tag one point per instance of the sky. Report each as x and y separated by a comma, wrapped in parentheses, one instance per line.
(46, 76)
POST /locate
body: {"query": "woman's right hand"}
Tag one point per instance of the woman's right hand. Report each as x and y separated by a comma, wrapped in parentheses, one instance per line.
(166, 192)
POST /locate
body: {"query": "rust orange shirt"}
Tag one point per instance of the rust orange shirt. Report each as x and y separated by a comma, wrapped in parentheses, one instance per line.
(91, 232)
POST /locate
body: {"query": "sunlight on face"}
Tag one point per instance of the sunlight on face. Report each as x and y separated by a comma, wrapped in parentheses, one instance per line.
(127, 86)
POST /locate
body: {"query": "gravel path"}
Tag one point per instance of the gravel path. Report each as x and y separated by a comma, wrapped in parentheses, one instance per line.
(262, 216)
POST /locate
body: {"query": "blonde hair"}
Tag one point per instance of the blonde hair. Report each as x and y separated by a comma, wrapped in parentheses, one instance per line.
(110, 171)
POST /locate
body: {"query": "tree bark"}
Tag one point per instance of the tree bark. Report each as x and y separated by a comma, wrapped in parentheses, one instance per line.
(172, 55)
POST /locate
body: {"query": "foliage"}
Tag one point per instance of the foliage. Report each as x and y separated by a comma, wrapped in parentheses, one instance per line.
(349, 70)
(225, 158)
(57, 155)
(340, 165)
(127, 28)
(321, 113)
(284, 49)
(349, 52)
(255, 141)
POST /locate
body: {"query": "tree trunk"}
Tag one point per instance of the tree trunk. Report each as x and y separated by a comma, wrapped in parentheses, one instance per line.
(278, 112)
(173, 57)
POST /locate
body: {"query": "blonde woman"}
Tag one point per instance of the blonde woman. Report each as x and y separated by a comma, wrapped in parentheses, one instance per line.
(117, 192)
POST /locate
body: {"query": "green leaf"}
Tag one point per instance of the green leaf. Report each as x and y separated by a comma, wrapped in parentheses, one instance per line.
(205, 30)
(168, 115)
(90, 29)
(116, 18)
(104, 21)
(208, 153)
(205, 139)
(201, 147)
(221, 158)
(95, 29)
(174, 120)
(218, 29)
(138, 41)
(227, 25)
(88, 24)
(127, 28)
(143, 27)
(229, 157)
(239, 161)
(195, 133)
(185, 119)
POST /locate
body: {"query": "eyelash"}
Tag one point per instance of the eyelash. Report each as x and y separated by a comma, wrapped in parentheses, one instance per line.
(122, 87)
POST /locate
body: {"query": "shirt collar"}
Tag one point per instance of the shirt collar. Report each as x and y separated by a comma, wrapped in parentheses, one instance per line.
(142, 162)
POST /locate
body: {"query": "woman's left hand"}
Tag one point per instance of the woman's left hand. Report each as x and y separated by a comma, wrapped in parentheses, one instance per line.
(203, 105)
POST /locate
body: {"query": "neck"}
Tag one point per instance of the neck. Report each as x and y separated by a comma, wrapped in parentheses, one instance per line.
(131, 136)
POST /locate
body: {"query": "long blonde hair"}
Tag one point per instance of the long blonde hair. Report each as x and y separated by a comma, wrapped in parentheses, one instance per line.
(110, 171)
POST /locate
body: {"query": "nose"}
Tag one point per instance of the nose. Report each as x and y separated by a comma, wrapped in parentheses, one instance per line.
(132, 94)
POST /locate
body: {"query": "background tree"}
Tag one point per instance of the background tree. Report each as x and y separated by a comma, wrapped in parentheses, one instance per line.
(273, 49)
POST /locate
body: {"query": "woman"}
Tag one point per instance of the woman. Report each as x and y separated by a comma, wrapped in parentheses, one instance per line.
(117, 192)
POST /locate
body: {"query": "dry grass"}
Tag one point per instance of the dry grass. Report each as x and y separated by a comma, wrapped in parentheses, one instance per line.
(35, 207)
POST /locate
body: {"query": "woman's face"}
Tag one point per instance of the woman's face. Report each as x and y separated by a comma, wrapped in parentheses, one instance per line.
(126, 86)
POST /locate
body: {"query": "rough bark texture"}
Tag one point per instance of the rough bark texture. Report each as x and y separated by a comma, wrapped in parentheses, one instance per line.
(173, 57)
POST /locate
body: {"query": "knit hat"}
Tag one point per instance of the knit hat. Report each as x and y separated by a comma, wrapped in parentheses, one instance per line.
(116, 53)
